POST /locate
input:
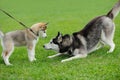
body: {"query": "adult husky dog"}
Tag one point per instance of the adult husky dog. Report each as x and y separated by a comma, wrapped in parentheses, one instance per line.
(80, 44)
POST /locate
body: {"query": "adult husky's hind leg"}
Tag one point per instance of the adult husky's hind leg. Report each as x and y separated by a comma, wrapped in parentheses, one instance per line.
(109, 26)
(107, 38)
(111, 44)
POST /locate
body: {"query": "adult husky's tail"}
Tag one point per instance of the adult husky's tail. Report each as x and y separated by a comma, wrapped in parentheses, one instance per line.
(1, 34)
(114, 11)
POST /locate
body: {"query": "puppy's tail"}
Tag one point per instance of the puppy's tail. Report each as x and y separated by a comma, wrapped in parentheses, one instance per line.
(1, 34)
(114, 11)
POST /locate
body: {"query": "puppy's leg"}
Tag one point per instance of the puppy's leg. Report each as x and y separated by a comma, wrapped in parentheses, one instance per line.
(55, 55)
(31, 52)
(6, 54)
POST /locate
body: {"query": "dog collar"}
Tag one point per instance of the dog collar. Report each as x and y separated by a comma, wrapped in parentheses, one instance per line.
(35, 34)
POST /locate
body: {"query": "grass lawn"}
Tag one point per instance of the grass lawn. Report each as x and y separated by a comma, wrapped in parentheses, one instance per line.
(66, 16)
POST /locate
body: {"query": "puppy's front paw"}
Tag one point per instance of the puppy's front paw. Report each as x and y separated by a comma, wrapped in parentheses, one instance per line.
(32, 59)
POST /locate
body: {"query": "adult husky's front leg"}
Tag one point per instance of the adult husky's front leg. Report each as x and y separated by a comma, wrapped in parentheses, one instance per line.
(78, 53)
(55, 55)
(75, 57)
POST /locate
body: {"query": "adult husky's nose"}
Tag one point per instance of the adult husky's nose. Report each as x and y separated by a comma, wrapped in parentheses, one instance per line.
(43, 46)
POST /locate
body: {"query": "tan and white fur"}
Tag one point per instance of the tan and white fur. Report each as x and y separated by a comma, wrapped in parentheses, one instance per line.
(22, 38)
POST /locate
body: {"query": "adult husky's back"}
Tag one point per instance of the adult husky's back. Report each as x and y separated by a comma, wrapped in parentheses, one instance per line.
(114, 11)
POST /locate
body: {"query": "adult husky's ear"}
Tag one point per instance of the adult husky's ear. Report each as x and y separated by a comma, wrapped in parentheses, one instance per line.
(59, 36)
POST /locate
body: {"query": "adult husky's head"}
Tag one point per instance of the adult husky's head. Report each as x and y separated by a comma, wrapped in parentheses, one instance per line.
(59, 43)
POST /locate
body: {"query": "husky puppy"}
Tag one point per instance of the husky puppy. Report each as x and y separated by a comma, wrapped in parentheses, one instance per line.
(27, 37)
(80, 44)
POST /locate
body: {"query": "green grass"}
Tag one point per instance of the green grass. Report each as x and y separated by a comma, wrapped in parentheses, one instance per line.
(66, 16)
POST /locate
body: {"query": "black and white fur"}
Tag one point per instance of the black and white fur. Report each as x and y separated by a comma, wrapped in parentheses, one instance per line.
(80, 44)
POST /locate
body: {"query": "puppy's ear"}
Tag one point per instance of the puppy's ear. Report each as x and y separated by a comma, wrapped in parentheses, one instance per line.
(47, 23)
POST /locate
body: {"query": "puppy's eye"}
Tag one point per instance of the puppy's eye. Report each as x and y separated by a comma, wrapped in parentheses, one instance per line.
(50, 42)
